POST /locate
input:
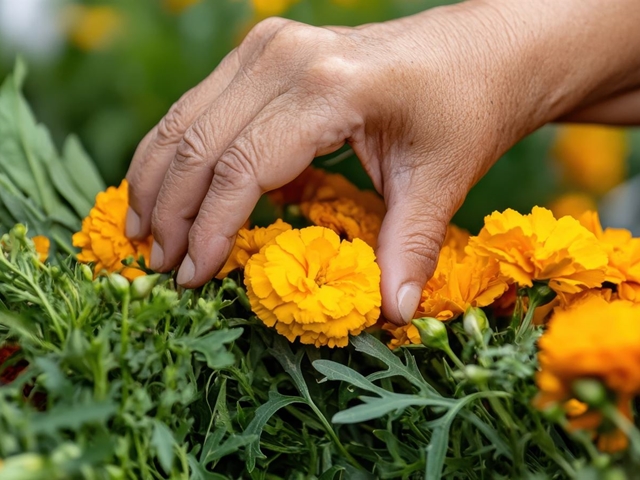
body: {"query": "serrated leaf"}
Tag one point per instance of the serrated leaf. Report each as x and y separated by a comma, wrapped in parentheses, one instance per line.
(163, 442)
(262, 415)
(336, 371)
(73, 417)
(212, 346)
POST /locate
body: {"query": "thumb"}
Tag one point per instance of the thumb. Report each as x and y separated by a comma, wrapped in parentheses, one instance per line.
(409, 243)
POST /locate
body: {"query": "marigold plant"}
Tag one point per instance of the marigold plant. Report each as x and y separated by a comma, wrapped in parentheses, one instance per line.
(312, 286)
(102, 238)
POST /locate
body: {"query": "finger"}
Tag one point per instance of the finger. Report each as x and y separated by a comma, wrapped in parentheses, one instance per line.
(153, 156)
(191, 171)
(270, 152)
(419, 208)
(622, 109)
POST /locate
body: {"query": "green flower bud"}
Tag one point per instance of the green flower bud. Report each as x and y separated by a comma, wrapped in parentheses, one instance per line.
(19, 231)
(590, 391)
(119, 284)
(433, 333)
(540, 294)
(141, 286)
(475, 323)
(86, 272)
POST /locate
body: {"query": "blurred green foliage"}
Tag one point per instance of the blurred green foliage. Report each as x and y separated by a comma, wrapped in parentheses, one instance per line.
(112, 96)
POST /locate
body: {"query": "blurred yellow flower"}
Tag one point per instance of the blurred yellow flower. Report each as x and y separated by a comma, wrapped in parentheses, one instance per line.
(592, 157)
(178, 6)
(591, 338)
(269, 8)
(93, 27)
(539, 247)
(309, 284)
(102, 238)
(457, 284)
(572, 204)
(345, 217)
(42, 245)
(248, 243)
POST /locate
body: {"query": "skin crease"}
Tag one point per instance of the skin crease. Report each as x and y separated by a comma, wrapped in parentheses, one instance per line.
(428, 102)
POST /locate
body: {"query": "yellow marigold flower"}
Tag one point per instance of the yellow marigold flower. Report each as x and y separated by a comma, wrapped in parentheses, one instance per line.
(248, 243)
(572, 204)
(623, 252)
(591, 338)
(42, 245)
(457, 284)
(102, 238)
(309, 284)
(345, 217)
(269, 8)
(93, 27)
(592, 157)
(539, 247)
(457, 239)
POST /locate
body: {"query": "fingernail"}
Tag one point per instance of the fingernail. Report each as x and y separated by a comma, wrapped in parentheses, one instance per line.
(408, 300)
(132, 228)
(157, 256)
(187, 271)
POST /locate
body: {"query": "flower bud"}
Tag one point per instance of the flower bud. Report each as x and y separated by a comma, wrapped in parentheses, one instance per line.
(19, 231)
(86, 272)
(119, 284)
(475, 323)
(433, 333)
(141, 286)
(476, 374)
(590, 391)
(540, 294)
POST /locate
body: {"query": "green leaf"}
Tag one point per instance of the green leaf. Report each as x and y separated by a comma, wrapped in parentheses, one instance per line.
(199, 472)
(377, 407)
(262, 415)
(291, 364)
(373, 347)
(163, 442)
(334, 472)
(73, 417)
(212, 346)
(81, 170)
(336, 371)
(231, 445)
(67, 188)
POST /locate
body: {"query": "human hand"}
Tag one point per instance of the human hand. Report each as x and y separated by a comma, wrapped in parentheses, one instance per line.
(427, 102)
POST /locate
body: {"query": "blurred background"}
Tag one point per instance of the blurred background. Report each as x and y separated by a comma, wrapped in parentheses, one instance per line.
(109, 69)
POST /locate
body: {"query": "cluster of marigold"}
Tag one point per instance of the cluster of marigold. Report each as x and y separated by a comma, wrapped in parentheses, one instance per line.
(321, 284)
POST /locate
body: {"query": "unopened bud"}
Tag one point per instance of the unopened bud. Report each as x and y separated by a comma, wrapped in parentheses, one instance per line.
(590, 391)
(19, 231)
(141, 286)
(119, 284)
(86, 272)
(477, 374)
(540, 294)
(475, 323)
(433, 333)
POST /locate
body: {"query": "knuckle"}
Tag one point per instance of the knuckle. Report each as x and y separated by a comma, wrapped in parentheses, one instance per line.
(331, 70)
(192, 150)
(264, 29)
(236, 168)
(173, 124)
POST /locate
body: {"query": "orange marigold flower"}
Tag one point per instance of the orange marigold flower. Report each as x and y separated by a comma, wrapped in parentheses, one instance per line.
(309, 284)
(345, 217)
(319, 185)
(102, 238)
(591, 338)
(457, 284)
(623, 252)
(248, 243)
(593, 157)
(539, 247)
(457, 239)
(42, 245)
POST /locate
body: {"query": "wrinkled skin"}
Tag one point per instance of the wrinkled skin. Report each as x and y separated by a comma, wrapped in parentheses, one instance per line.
(428, 103)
